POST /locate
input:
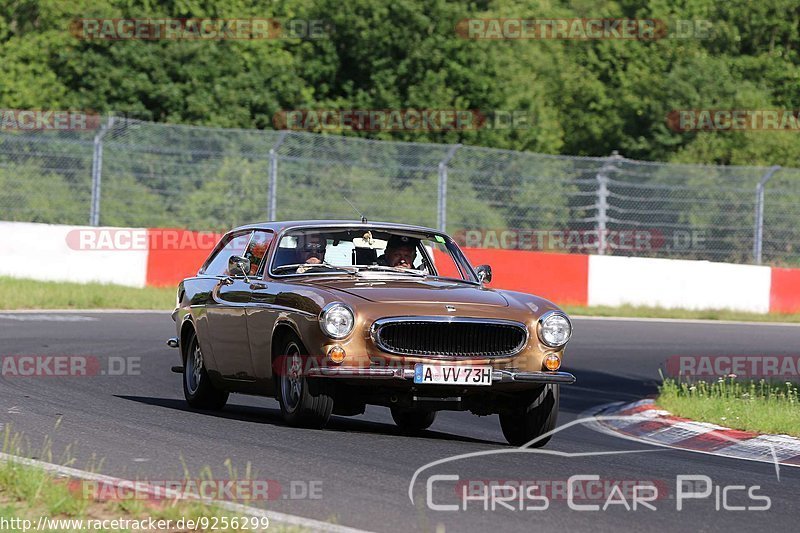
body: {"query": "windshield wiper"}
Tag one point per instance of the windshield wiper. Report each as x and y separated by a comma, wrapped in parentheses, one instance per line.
(409, 271)
(307, 266)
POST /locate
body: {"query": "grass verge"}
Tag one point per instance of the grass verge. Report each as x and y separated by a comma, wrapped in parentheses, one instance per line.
(34, 499)
(31, 294)
(629, 311)
(748, 405)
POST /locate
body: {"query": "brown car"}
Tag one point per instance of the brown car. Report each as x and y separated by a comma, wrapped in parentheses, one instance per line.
(329, 316)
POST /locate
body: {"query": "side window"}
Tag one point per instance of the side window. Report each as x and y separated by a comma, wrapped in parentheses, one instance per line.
(443, 261)
(257, 250)
(218, 266)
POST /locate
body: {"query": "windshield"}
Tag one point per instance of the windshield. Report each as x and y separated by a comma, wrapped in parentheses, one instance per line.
(365, 251)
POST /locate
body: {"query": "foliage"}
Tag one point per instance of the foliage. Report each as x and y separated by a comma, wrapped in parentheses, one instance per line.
(741, 404)
(587, 97)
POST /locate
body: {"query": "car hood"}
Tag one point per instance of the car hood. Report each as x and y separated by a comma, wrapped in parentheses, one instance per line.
(417, 291)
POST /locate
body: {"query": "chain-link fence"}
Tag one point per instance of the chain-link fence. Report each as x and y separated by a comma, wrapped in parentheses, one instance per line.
(133, 173)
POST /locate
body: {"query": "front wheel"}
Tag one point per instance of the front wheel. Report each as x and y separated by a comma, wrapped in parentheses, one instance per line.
(304, 402)
(413, 420)
(532, 419)
(197, 387)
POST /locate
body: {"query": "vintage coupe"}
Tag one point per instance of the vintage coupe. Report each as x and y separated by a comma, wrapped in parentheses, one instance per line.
(329, 316)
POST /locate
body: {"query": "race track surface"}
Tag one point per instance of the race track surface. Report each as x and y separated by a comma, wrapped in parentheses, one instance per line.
(361, 467)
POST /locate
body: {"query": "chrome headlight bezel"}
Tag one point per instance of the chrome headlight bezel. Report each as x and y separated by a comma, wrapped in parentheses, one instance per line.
(542, 323)
(331, 310)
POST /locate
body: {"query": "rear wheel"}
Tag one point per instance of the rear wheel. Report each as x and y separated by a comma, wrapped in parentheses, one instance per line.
(412, 420)
(531, 419)
(304, 402)
(197, 387)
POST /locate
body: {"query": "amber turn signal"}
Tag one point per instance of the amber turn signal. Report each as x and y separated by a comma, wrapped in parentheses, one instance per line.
(552, 362)
(336, 354)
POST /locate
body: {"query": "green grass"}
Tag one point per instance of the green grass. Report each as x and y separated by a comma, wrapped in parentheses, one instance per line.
(31, 294)
(660, 312)
(758, 406)
(28, 493)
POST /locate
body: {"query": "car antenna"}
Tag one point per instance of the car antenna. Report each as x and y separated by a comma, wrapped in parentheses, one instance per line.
(363, 218)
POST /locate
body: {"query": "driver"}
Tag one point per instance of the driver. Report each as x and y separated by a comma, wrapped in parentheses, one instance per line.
(400, 252)
(312, 250)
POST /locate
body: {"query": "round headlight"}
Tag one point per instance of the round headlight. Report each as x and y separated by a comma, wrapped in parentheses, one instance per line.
(336, 320)
(554, 329)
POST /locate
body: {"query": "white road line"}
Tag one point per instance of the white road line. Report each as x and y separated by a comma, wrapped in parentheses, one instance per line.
(273, 516)
(51, 317)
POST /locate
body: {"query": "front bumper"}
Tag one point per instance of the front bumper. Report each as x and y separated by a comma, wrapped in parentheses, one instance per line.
(498, 376)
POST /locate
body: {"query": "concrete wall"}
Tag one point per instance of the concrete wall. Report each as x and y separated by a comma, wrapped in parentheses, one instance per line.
(162, 257)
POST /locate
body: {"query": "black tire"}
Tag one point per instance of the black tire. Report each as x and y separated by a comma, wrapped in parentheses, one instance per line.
(304, 402)
(532, 418)
(413, 420)
(198, 390)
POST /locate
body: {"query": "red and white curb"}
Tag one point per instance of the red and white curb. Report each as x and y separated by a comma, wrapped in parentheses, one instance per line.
(649, 424)
(164, 493)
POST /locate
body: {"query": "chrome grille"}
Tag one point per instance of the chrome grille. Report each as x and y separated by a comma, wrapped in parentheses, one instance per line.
(451, 337)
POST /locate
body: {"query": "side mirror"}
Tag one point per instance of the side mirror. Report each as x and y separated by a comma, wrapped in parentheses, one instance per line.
(238, 266)
(484, 273)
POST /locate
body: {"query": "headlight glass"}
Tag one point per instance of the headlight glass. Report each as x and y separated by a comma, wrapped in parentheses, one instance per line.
(555, 330)
(336, 321)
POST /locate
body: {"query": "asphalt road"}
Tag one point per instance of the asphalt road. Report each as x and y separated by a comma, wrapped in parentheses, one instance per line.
(359, 469)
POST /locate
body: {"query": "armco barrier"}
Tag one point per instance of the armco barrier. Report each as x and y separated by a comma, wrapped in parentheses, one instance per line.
(57, 253)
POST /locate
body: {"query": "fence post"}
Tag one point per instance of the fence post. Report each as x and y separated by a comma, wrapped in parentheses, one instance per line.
(97, 171)
(442, 204)
(272, 210)
(758, 230)
(602, 200)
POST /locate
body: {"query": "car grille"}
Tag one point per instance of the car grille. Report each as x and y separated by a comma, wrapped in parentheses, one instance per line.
(451, 338)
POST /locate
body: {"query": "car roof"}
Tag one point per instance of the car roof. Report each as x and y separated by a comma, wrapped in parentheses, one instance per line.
(289, 224)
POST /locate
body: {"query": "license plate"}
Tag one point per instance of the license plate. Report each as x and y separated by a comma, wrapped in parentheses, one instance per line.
(452, 375)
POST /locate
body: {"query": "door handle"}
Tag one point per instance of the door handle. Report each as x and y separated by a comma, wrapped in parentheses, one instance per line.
(256, 285)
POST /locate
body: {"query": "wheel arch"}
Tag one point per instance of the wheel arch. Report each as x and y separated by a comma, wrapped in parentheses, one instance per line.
(187, 328)
(283, 329)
